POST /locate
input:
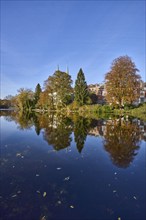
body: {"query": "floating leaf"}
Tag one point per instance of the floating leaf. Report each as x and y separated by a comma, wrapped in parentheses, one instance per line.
(43, 218)
(44, 194)
(14, 196)
(67, 178)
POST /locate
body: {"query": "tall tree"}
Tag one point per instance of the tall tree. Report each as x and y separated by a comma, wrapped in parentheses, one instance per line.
(122, 82)
(37, 93)
(59, 88)
(81, 90)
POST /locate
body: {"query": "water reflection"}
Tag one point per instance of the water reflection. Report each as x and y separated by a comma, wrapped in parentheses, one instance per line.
(122, 140)
(81, 128)
(42, 181)
(121, 137)
(58, 131)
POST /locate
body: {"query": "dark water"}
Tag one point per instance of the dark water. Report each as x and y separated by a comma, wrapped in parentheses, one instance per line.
(72, 168)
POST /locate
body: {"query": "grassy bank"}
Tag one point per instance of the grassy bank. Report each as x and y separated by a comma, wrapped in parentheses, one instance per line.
(104, 111)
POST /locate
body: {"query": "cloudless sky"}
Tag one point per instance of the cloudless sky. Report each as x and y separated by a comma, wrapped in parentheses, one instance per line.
(37, 36)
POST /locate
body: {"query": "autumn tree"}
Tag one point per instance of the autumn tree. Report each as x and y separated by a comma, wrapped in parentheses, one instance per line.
(81, 90)
(122, 82)
(46, 100)
(59, 90)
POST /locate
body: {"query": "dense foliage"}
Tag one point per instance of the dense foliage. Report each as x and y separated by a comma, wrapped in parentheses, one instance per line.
(122, 82)
(81, 93)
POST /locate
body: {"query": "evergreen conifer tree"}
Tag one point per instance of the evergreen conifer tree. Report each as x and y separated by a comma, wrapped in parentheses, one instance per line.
(37, 93)
(81, 90)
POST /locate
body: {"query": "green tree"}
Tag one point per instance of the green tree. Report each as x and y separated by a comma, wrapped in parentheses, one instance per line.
(24, 99)
(37, 93)
(122, 82)
(59, 89)
(81, 93)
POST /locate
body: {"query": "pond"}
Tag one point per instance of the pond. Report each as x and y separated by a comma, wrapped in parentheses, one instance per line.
(72, 168)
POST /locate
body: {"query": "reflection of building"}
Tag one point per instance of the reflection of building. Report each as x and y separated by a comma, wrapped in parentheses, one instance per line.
(142, 127)
(99, 91)
(99, 129)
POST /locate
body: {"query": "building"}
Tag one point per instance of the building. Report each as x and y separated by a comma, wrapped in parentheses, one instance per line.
(142, 94)
(98, 90)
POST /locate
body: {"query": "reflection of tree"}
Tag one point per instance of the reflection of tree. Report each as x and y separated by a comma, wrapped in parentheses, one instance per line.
(25, 120)
(81, 126)
(121, 141)
(57, 132)
(36, 124)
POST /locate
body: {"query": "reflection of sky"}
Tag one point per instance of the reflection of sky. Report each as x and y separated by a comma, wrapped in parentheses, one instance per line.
(93, 185)
(7, 128)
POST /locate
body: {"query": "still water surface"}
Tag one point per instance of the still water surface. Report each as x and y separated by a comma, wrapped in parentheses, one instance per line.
(72, 168)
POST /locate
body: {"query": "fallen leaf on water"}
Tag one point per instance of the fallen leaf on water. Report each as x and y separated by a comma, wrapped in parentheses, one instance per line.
(67, 178)
(14, 196)
(43, 218)
(44, 194)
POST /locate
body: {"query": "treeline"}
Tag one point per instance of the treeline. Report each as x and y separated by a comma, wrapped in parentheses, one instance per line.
(122, 84)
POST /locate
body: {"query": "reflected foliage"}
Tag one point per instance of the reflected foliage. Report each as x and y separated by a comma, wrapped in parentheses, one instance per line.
(121, 137)
(57, 132)
(122, 141)
(81, 127)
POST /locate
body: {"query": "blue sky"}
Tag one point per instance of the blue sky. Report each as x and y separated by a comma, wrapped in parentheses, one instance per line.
(37, 36)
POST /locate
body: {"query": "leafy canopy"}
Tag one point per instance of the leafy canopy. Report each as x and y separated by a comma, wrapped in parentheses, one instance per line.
(122, 82)
(59, 88)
